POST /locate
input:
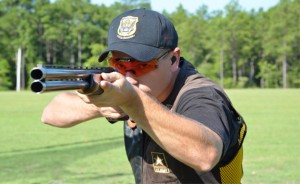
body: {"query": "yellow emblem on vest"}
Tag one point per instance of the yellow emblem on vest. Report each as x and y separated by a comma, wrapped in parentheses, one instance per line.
(127, 27)
(159, 163)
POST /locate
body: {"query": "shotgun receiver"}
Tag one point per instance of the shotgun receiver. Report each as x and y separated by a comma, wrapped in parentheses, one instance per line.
(51, 78)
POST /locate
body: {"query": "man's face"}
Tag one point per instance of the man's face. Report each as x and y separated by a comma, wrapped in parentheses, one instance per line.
(158, 82)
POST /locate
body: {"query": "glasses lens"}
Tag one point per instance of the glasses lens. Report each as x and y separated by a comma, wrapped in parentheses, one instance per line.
(137, 68)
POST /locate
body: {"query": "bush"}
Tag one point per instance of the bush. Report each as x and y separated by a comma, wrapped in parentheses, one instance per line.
(5, 82)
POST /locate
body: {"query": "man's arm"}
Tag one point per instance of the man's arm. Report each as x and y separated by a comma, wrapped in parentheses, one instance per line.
(185, 139)
(67, 109)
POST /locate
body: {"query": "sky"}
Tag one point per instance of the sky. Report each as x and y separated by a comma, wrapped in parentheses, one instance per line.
(192, 5)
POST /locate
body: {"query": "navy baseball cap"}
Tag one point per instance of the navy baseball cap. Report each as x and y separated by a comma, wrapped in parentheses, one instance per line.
(141, 34)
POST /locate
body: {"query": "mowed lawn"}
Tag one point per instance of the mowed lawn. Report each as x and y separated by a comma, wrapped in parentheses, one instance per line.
(272, 145)
(93, 152)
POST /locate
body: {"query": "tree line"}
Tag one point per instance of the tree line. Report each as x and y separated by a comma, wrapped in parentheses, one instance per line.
(234, 47)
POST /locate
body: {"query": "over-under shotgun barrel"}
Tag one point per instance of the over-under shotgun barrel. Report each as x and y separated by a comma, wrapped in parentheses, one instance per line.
(38, 86)
(54, 78)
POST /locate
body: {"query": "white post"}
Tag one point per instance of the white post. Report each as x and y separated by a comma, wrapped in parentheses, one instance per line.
(19, 58)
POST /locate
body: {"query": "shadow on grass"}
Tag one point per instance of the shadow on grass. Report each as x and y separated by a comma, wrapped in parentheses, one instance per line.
(57, 146)
(47, 163)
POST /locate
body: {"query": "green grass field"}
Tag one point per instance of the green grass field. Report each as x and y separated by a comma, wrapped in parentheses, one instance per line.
(93, 152)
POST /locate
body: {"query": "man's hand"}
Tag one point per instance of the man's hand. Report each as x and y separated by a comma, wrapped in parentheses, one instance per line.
(117, 91)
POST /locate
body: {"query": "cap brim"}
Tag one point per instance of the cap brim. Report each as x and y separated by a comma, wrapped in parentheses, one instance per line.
(139, 52)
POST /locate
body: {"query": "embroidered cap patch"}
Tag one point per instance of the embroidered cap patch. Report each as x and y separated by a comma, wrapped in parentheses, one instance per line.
(127, 27)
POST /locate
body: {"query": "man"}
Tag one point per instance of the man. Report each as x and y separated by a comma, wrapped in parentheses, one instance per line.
(180, 127)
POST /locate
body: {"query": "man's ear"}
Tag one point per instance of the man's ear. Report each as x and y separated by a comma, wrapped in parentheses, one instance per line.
(175, 59)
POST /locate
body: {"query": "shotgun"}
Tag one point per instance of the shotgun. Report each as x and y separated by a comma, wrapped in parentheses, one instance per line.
(53, 78)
